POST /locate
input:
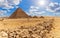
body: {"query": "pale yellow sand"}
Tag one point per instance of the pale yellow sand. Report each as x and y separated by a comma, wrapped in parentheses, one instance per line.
(13, 23)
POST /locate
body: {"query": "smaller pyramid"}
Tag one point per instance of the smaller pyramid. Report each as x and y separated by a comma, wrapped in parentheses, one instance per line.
(41, 17)
(19, 13)
(35, 17)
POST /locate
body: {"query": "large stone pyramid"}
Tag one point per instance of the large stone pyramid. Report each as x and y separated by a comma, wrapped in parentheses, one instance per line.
(19, 13)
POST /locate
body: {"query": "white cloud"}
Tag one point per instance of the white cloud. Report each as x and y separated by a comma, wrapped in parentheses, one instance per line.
(57, 9)
(16, 2)
(51, 4)
(34, 7)
(35, 11)
(49, 9)
(53, 7)
(2, 13)
(9, 4)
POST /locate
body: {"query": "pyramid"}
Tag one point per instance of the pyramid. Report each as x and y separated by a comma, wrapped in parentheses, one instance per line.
(35, 17)
(19, 13)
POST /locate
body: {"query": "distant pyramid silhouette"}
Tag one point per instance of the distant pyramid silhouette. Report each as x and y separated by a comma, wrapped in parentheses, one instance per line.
(19, 13)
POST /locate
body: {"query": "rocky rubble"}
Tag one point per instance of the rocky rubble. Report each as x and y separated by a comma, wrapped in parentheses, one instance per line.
(40, 30)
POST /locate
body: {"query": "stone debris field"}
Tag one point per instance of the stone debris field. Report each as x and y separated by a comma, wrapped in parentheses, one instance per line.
(32, 28)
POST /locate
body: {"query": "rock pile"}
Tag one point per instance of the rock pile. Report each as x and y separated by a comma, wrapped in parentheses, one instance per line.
(40, 30)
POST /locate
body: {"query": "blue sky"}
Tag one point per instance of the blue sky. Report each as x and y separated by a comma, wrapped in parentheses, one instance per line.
(31, 7)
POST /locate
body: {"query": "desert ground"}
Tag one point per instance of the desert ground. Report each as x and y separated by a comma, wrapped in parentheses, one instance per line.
(12, 24)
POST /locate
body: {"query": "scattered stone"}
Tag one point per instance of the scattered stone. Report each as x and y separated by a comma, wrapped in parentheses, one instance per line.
(37, 31)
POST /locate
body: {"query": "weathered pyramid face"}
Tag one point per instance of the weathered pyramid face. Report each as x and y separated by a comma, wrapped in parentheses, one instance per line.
(19, 13)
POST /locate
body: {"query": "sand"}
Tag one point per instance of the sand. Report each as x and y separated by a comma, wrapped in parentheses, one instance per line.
(14, 23)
